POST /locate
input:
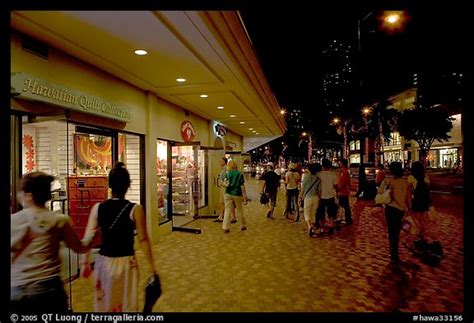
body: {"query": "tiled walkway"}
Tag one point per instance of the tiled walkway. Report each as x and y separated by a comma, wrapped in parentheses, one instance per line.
(275, 267)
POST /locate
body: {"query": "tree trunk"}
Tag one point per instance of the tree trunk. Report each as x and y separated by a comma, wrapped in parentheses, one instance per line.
(423, 155)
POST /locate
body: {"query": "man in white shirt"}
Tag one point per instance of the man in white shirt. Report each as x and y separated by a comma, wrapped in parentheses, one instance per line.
(328, 197)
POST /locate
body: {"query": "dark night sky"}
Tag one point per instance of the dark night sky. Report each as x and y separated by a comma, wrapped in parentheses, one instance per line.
(288, 40)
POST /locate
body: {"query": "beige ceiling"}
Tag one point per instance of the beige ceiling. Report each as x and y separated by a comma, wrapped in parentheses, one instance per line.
(180, 44)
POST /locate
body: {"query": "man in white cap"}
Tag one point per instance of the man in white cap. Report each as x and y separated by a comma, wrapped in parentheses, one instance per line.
(271, 184)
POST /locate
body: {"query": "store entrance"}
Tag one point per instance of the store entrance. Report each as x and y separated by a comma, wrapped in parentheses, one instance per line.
(94, 151)
(187, 192)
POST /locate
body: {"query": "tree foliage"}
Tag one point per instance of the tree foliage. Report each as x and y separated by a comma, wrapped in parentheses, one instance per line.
(425, 125)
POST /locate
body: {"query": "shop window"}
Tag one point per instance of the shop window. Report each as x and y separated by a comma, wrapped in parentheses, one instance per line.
(129, 153)
(162, 182)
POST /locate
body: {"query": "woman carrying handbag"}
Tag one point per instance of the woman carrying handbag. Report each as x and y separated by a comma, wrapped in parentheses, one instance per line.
(400, 202)
(116, 268)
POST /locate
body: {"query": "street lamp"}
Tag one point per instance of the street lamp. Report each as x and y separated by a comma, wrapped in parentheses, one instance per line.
(342, 129)
(310, 144)
(392, 21)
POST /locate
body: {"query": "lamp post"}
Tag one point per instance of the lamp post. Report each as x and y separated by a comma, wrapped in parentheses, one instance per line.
(310, 144)
(392, 21)
(342, 129)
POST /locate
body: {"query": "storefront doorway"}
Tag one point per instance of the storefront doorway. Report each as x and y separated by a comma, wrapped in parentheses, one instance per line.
(80, 158)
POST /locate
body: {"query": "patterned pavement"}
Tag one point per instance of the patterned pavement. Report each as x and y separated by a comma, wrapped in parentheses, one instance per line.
(275, 266)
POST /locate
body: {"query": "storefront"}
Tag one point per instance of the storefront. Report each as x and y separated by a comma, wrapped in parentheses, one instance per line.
(75, 112)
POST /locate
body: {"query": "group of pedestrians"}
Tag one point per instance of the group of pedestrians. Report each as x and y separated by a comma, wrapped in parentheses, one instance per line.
(408, 197)
(37, 234)
(321, 192)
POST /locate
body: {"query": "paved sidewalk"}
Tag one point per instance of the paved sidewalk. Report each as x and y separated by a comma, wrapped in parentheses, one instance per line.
(275, 267)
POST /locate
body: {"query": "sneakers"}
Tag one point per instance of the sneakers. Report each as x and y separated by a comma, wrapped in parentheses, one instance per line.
(226, 231)
(243, 228)
(233, 221)
(311, 233)
(217, 220)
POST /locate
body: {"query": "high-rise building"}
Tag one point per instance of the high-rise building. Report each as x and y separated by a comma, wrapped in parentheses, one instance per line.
(338, 77)
(295, 121)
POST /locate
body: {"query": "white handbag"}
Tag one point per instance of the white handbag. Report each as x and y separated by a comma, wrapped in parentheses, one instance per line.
(385, 197)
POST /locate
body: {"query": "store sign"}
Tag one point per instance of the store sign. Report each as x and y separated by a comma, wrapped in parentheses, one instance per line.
(220, 130)
(28, 87)
(187, 131)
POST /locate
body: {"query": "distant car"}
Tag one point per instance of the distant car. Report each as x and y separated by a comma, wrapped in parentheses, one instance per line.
(370, 170)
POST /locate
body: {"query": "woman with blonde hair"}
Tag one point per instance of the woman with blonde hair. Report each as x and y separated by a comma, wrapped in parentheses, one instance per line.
(235, 196)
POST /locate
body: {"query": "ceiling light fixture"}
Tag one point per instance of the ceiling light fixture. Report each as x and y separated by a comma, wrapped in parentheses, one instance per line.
(242, 122)
(232, 116)
(180, 80)
(220, 108)
(141, 52)
(250, 128)
(204, 95)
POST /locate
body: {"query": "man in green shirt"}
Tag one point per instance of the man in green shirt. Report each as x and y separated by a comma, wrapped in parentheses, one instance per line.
(235, 196)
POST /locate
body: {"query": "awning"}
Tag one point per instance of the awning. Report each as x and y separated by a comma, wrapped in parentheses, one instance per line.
(254, 142)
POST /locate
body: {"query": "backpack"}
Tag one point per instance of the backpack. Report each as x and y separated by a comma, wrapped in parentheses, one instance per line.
(421, 199)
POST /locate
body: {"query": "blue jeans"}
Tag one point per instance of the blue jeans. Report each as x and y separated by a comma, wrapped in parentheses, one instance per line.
(43, 296)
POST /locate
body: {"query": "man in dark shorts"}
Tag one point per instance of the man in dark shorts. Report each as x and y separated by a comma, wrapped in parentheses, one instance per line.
(270, 186)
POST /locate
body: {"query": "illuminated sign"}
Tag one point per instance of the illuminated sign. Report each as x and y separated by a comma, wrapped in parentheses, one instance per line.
(187, 131)
(32, 88)
(220, 130)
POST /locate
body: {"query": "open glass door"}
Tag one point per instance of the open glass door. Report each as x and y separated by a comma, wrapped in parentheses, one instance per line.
(212, 157)
(186, 193)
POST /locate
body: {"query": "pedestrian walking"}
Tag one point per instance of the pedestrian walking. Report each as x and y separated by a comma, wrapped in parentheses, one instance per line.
(235, 196)
(36, 236)
(327, 202)
(310, 195)
(395, 210)
(271, 185)
(116, 268)
(421, 200)
(344, 191)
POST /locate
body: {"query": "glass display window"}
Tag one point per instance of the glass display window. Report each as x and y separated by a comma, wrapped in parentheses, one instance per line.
(162, 182)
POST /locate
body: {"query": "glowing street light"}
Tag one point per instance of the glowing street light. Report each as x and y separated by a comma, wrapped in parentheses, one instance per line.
(335, 120)
(366, 111)
(304, 134)
(282, 112)
(391, 19)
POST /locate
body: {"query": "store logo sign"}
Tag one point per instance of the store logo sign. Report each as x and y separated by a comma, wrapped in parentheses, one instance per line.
(28, 87)
(220, 130)
(187, 131)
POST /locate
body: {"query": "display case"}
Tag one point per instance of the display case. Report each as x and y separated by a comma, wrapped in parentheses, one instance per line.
(84, 192)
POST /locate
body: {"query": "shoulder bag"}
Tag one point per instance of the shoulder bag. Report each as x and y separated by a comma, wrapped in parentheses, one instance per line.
(385, 197)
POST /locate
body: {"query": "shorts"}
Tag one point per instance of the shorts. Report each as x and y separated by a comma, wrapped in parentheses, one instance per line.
(272, 198)
(310, 207)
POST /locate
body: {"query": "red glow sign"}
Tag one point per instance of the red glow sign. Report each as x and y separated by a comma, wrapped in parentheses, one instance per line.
(187, 131)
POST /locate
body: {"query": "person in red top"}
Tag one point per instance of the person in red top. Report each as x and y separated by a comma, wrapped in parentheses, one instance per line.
(344, 190)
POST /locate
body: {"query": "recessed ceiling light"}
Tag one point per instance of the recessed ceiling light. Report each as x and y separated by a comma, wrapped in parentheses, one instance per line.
(180, 80)
(232, 116)
(242, 122)
(254, 131)
(220, 108)
(257, 133)
(141, 52)
(250, 128)
(204, 95)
